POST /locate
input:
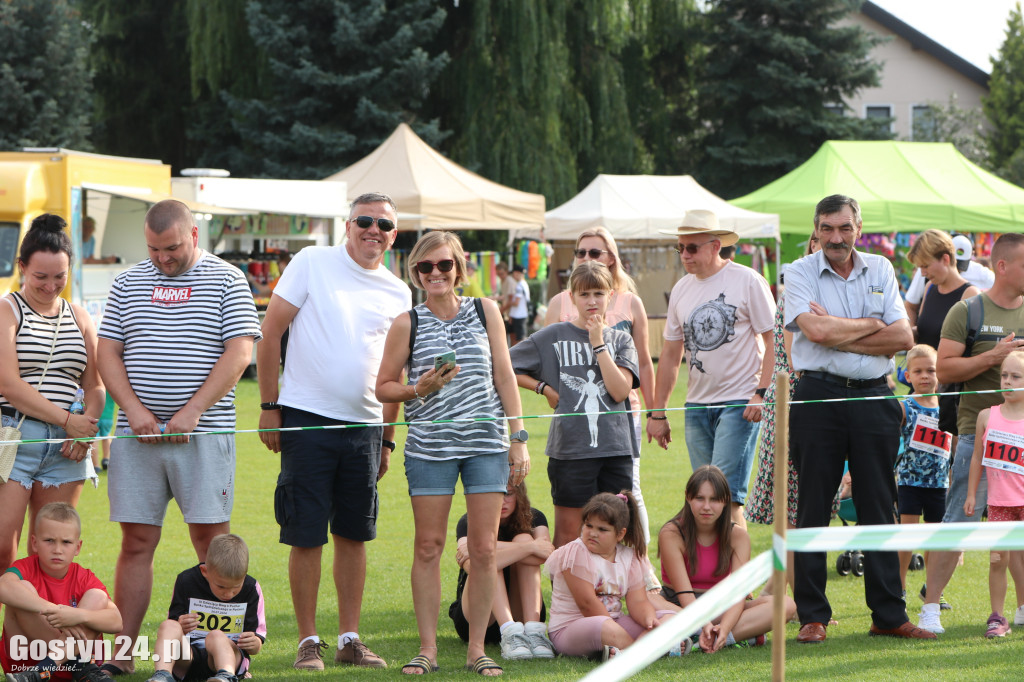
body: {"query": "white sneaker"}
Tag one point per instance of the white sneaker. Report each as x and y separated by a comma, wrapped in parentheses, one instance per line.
(1018, 618)
(514, 644)
(537, 638)
(929, 619)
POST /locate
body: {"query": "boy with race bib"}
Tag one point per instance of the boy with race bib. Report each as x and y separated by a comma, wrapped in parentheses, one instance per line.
(220, 607)
(922, 472)
(1000, 447)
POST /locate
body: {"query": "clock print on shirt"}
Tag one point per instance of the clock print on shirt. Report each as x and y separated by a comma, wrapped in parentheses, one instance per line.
(710, 325)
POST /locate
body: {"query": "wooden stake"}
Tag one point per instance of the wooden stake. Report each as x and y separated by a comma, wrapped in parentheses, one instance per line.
(781, 488)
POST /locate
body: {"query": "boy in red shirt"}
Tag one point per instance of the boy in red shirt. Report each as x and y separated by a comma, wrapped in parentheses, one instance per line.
(54, 606)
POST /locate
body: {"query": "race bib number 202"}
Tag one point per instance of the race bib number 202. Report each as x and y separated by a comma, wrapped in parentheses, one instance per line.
(217, 615)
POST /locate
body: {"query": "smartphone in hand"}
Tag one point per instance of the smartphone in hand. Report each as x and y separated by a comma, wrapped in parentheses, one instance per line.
(444, 359)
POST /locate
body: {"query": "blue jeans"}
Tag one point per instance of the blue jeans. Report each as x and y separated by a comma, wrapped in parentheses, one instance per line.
(957, 493)
(722, 437)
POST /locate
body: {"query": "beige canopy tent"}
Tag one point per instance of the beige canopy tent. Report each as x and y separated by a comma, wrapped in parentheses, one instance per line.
(443, 193)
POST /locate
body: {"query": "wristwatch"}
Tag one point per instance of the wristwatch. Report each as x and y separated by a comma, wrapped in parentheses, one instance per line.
(270, 406)
(520, 436)
(760, 392)
(389, 444)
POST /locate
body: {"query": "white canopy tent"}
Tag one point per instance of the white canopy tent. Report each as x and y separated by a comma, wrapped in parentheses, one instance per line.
(637, 206)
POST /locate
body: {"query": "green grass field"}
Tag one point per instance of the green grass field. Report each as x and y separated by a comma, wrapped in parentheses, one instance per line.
(389, 627)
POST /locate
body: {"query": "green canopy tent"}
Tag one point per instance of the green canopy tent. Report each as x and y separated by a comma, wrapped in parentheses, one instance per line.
(901, 187)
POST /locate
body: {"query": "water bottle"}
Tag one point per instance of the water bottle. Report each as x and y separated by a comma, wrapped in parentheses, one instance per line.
(78, 404)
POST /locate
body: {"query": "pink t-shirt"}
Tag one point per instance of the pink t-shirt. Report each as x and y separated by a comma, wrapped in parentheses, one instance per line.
(611, 580)
(1003, 453)
(721, 319)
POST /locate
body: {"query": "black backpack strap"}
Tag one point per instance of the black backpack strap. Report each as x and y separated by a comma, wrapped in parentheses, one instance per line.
(479, 305)
(975, 318)
(414, 321)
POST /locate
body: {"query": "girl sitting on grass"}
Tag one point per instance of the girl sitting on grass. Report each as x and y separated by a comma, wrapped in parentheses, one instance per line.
(699, 548)
(591, 577)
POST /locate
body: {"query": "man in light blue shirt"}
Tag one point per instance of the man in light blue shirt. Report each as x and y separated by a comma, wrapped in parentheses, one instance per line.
(847, 319)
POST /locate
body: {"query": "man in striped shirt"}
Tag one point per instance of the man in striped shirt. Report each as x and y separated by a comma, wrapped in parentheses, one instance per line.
(176, 335)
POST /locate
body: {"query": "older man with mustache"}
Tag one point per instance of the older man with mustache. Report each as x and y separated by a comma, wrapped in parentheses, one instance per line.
(847, 319)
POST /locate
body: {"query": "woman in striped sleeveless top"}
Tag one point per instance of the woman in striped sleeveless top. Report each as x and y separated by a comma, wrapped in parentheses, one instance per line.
(477, 384)
(41, 388)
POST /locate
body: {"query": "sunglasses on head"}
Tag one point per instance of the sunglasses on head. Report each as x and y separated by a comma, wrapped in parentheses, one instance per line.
(365, 222)
(690, 248)
(594, 253)
(425, 267)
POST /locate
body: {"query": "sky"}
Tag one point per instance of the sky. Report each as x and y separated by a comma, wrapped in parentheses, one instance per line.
(973, 29)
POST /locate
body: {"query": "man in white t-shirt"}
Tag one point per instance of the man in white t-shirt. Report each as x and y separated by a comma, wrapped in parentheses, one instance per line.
(974, 272)
(520, 308)
(722, 315)
(339, 302)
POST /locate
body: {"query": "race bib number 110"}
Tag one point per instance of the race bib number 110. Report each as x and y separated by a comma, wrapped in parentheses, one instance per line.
(1004, 450)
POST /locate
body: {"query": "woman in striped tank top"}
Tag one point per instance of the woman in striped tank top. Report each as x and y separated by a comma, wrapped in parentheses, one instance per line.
(41, 392)
(477, 383)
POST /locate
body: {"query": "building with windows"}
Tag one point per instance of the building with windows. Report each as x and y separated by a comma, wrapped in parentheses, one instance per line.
(917, 71)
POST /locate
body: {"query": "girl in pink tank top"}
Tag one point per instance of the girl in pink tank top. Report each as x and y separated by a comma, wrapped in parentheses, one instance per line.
(999, 448)
(698, 548)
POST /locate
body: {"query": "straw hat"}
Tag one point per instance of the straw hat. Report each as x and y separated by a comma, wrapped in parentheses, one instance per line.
(698, 222)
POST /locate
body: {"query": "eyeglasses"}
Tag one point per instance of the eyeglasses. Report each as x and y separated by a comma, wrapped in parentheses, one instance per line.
(594, 253)
(425, 267)
(690, 248)
(385, 224)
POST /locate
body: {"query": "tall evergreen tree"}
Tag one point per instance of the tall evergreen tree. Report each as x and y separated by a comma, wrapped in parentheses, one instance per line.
(771, 69)
(1004, 105)
(341, 75)
(142, 82)
(45, 81)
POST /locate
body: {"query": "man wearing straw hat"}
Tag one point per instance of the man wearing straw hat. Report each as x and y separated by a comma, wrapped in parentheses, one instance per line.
(847, 319)
(721, 315)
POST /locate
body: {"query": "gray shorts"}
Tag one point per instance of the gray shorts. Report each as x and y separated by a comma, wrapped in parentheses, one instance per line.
(199, 474)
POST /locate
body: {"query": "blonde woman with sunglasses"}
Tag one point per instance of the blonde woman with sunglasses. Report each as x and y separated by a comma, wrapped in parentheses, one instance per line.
(454, 351)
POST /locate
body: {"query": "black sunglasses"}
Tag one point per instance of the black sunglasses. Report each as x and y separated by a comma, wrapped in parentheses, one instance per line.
(690, 248)
(385, 224)
(425, 267)
(594, 253)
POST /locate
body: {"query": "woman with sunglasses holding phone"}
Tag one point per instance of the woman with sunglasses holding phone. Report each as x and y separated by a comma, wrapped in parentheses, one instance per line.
(454, 351)
(626, 312)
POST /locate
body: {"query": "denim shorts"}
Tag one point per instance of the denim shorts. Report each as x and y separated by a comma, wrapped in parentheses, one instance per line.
(42, 462)
(480, 474)
(957, 493)
(721, 436)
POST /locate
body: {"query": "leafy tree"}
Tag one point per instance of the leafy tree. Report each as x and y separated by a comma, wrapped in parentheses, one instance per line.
(222, 58)
(45, 81)
(140, 57)
(772, 67)
(952, 123)
(1004, 105)
(662, 61)
(341, 75)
